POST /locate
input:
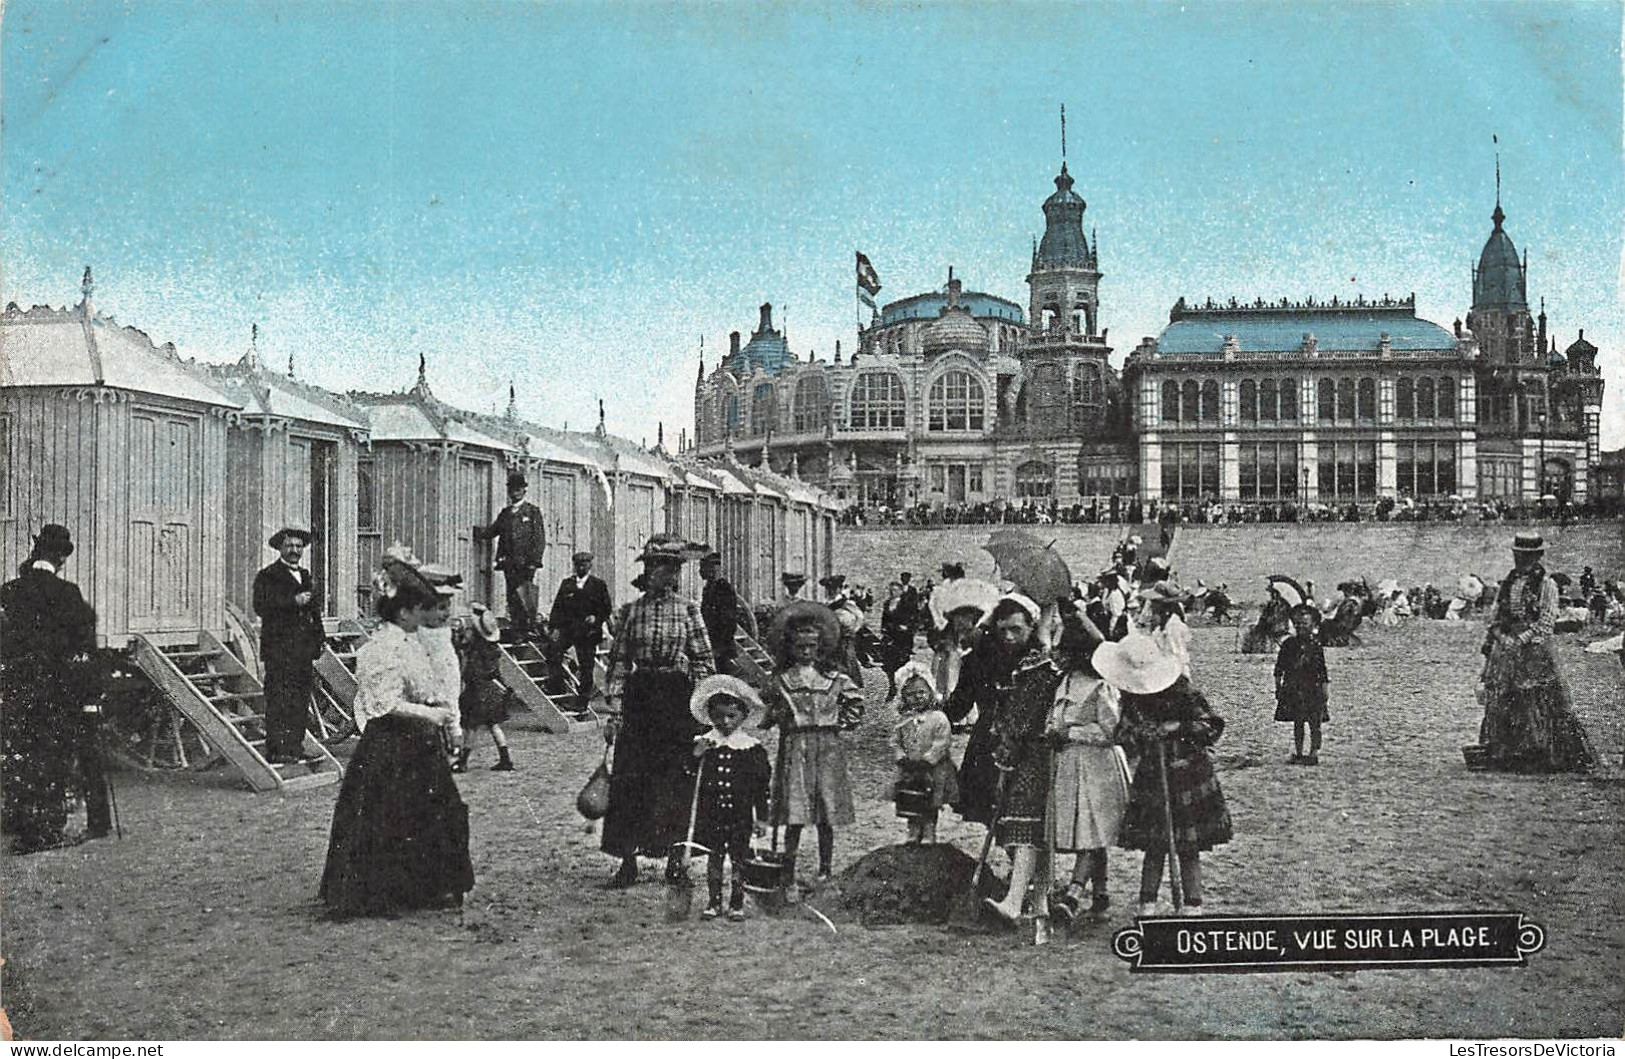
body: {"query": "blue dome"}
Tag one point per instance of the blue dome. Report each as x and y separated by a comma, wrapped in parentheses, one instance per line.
(1499, 281)
(1063, 245)
(929, 306)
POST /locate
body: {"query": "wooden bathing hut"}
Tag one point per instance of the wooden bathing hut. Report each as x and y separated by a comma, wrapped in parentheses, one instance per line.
(433, 473)
(291, 458)
(127, 445)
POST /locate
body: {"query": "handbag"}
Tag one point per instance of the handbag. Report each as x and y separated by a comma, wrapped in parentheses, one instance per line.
(593, 801)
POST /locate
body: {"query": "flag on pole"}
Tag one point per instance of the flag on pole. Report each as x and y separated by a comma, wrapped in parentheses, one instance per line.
(863, 297)
(868, 278)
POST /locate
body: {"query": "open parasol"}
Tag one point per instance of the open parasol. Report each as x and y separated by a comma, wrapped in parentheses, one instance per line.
(1033, 566)
(1283, 579)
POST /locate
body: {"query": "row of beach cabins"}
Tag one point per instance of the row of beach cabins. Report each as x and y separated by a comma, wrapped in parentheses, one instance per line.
(171, 474)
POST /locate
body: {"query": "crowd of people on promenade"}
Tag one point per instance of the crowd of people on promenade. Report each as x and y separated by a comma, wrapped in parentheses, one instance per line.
(1086, 725)
(1212, 511)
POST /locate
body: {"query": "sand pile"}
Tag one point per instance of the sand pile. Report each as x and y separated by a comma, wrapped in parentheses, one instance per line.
(910, 884)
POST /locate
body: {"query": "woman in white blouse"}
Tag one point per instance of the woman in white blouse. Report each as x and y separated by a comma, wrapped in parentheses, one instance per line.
(400, 829)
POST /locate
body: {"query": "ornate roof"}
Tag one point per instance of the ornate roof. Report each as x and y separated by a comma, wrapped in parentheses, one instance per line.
(1063, 245)
(929, 306)
(767, 348)
(955, 328)
(1282, 327)
(1499, 280)
(1581, 346)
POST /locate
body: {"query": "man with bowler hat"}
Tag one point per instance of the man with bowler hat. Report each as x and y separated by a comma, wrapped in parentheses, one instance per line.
(47, 632)
(521, 539)
(721, 609)
(580, 610)
(288, 601)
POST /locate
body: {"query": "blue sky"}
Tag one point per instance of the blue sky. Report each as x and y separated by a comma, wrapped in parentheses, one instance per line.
(572, 194)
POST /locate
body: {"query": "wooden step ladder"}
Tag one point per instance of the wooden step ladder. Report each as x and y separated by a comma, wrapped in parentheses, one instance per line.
(333, 713)
(524, 670)
(211, 688)
(752, 664)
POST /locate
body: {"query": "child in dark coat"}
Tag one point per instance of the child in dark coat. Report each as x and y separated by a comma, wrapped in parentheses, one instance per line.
(1301, 684)
(484, 701)
(1170, 725)
(733, 776)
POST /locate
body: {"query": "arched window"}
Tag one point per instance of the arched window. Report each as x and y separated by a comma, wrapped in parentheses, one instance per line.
(1269, 401)
(811, 403)
(1326, 400)
(1289, 399)
(1190, 410)
(1249, 401)
(730, 413)
(1345, 400)
(1447, 399)
(1405, 399)
(957, 402)
(1424, 398)
(1210, 401)
(1085, 388)
(1046, 398)
(1367, 405)
(1170, 401)
(877, 402)
(1035, 478)
(763, 410)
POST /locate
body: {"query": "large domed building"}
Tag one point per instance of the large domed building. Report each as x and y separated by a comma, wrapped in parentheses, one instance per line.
(956, 396)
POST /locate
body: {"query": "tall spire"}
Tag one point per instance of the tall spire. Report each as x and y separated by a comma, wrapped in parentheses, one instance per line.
(423, 369)
(513, 401)
(1063, 133)
(601, 431)
(1498, 216)
(251, 359)
(290, 364)
(87, 287)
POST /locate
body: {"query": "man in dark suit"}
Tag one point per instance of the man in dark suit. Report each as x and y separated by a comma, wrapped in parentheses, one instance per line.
(521, 540)
(288, 602)
(579, 612)
(719, 609)
(47, 634)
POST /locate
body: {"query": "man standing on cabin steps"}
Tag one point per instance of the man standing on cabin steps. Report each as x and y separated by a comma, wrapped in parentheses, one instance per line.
(579, 612)
(288, 602)
(522, 538)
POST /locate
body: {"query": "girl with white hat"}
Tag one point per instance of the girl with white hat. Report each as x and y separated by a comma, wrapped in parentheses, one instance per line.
(921, 740)
(1166, 720)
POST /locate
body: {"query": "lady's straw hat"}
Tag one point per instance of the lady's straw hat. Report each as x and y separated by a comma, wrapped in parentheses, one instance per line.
(1136, 665)
(721, 684)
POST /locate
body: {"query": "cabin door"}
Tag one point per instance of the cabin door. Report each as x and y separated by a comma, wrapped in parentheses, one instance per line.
(312, 465)
(163, 475)
(475, 503)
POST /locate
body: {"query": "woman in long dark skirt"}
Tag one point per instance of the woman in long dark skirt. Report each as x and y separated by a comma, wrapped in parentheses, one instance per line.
(400, 829)
(985, 683)
(661, 649)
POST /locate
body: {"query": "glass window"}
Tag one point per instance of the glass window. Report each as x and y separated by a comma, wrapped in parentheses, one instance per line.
(1366, 483)
(939, 478)
(1210, 470)
(957, 402)
(1345, 400)
(1326, 399)
(1289, 399)
(1424, 468)
(1446, 400)
(974, 478)
(1249, 401)
(1034, 479)
(1405, 468)
(1170, 401)
(1189, 398)
(1267, 486)
(366, 496)
(1424, 398)
(1269, 397)
(811, 403)
(1249, 471)
(1326, 471)
(1367, 409)
(1445, 462)
(1286, 461)
(731, 413)
(763, 410)
(877, 401)
(1405, 399)
(1210, 401)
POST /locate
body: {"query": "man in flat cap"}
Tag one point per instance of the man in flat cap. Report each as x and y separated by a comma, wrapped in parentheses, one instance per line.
(288, 601)
(47, 630)
(521, 540)
(579, 611)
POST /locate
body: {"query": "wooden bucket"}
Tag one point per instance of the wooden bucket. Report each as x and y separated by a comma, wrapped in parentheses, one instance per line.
(914, 802)
(768, 871)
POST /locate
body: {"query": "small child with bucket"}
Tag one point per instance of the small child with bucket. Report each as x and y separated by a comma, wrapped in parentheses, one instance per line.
(484, 701)
(926, 777)
(1301, 683)
(1175, 801)
(812, 703)
(731, 776)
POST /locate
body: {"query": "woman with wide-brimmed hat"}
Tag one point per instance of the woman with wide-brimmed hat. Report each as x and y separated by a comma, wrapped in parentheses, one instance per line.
(1166, 720)
(1529, 723)
(1165, 604)
(660, 651)
(399, 839)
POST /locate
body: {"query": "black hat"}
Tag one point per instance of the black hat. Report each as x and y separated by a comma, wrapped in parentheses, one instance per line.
(1305, 608)
(905, 577)
(53, 540)
(953, 569)
(833, 581)
(284, 533)
(790, 578)
(711, 559)
(517, 479)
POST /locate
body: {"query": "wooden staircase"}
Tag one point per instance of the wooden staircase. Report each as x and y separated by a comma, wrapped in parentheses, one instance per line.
(333, 716)
(211, 688)
(523, 669)
(752, 664)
